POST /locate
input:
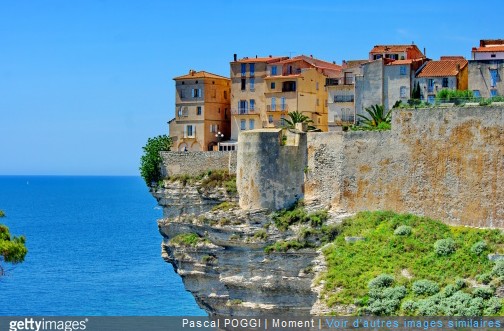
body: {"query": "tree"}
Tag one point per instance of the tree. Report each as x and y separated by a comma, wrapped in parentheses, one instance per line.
(378, 120)
(416, 93)
(150, 162)
(12, 249)
(297, 117)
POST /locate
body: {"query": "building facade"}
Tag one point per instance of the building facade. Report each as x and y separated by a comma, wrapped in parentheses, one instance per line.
(387, 77)
(341, 95)
(486, 68)
(202, 111)
(248, 85)
(450, 72)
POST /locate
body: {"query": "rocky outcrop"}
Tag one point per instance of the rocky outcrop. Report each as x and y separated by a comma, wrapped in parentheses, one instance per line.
(226, 267)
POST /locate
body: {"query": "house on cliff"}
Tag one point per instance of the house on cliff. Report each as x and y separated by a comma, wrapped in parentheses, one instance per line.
(450, 72)
(202, 111)
(388, 76)
(486, 68)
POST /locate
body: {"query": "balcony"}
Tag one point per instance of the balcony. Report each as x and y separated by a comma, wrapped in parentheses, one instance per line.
(277, 107)
(245, 111)
(343, 98)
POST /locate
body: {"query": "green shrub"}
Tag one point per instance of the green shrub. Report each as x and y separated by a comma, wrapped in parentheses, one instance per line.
(485, 278)
(261, 234)
(409, 307)
(484, 292)
(460, 283)
(384, 300)
(150, 162)
(425, 287)
(444, 247)
(297, 214)
(492, 306)
(498, 269)
(186, 239)
(403, 230)
(381, 281)
(479, 247)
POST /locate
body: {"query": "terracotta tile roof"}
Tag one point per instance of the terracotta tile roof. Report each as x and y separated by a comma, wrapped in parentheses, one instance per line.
(391, 48)
(354, 63)
(404, 62)
(442, 68)
(452, 57)
(200, 74)
(313, 61)
(262, 59)
(499, 48)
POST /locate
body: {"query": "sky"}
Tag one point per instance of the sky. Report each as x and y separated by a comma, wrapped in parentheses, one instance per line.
(85, 83)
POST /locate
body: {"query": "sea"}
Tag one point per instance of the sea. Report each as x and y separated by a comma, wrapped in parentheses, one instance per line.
(94, 249)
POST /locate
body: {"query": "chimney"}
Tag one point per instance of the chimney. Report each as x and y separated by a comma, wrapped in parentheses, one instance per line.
(333, 62)
(235, 57)
(270, 56)
(191, 72)
(424, 52)
(256, 56)
(311, 56)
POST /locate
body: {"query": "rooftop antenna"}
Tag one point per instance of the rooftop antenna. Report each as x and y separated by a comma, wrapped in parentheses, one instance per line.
(290, 53)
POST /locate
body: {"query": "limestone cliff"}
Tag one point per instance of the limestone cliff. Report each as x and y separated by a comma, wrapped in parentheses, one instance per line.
(226, 267)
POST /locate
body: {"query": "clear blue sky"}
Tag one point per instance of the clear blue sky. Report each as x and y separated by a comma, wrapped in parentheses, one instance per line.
(84, 83)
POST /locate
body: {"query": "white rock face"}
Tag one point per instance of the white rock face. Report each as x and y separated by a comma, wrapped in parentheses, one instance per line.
(228, 271)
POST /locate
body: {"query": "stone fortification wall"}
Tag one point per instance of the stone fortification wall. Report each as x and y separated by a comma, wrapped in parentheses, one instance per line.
(195, 163)
(445, 163)
(270, 173)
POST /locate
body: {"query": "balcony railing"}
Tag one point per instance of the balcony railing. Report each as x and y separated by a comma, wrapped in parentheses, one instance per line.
(277, 107)
(343, 98)
(244, 111)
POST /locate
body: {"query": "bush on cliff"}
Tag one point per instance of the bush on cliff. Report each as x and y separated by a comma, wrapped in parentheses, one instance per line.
(12, 249)
(150, 162)
(351, 266)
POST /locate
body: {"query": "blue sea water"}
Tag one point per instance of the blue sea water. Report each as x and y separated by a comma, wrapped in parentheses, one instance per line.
(94, 249)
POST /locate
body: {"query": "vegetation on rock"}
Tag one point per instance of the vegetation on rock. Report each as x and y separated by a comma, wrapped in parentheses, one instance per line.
(209, 180)
(434, 285)
(150, 161)
(187, 239)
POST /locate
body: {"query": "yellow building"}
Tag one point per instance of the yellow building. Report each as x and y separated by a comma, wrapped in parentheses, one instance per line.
(248, 85)
(202, 111)
(298, 84)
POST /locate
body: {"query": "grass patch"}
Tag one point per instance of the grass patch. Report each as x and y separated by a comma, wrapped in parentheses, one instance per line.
(351, 267)
(298, 215)
(187, 239)
(261, 234)
(226, 205)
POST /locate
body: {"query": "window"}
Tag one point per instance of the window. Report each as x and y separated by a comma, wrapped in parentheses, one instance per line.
(492, 55)
(252, 104)
(196, 92)
(182, 94)
(403, 91)
(477, 93)
(349, 78)
(282, 103)
(252, 69)
(377, 56)
(189, 131)
(225, 94)
(273, 70)
(243, 84)
(445, 82)
(494, 77)
(242, 106)
(243, 124)
(252, 82)
(251, 124)
(214, 128)
(289, 86)
(493, 93)
(180, 112)
(392, 56)
(402, 70)
(430, 85)
(273, 104)
(270, 118)
(198, 110)
(243, 69)
(273, 85)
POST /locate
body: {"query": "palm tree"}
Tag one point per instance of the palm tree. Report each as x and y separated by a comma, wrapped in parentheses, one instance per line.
(377, 116)
(297, 117)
